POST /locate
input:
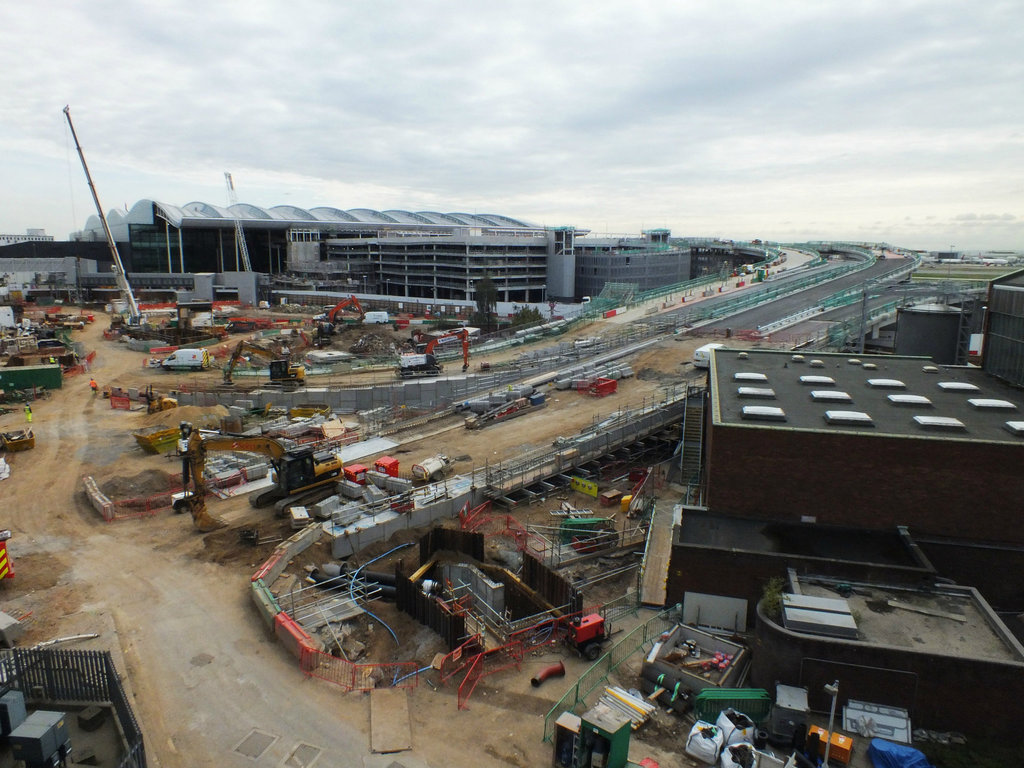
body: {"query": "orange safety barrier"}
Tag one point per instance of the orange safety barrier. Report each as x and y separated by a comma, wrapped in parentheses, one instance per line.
(291, 635)
(161, 350)
(357, 677)
(122, 403)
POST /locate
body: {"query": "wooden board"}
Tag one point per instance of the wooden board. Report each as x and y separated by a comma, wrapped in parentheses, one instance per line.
(390, 730)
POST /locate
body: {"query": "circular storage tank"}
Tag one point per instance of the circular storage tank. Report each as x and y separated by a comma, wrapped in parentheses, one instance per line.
(929, 329)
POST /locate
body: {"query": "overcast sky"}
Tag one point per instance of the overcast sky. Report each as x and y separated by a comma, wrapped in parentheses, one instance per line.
(887, 121)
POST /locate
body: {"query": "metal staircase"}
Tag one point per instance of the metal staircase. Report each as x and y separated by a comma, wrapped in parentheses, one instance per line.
(691, 460)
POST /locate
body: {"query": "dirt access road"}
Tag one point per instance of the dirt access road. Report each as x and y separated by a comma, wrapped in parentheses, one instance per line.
(173, 605)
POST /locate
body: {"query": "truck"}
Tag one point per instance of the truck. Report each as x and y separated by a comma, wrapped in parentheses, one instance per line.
(186, 360)
(433, 468)
(702, 355)
(413, 365)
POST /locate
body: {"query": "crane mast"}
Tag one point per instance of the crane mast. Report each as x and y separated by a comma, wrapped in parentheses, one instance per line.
(239, 235)
(134, 315)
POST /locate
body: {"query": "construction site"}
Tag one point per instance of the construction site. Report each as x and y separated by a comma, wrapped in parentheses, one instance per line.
(308, 536)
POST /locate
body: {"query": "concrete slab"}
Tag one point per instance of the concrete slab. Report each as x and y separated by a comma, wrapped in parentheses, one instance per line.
(390, 729)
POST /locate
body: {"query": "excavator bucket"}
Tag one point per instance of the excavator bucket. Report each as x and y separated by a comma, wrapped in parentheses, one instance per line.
(205, 522)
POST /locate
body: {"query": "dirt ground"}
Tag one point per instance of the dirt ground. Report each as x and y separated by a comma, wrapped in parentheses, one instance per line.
(172, 605)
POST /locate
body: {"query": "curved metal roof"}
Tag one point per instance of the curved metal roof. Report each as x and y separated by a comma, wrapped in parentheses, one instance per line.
(143, 212)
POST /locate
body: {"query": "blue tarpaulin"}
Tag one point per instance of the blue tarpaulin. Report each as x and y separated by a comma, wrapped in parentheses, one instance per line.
(885, 754)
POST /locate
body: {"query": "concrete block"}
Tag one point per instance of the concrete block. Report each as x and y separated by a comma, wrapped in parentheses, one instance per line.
(350, 490)
(11, 630)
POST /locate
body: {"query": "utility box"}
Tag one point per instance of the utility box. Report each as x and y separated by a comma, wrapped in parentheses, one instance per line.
(12, 711)
(790, 712)
(40, 738)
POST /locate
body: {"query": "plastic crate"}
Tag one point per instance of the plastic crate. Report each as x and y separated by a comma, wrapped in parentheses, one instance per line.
(755, 703)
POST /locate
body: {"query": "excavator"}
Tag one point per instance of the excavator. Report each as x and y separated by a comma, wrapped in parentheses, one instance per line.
(281, 370)
(156, 402)
(298, 472)
(331, 315)
(425, 364)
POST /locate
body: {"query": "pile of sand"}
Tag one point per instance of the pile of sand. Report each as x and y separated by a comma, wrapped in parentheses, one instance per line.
(203, 417)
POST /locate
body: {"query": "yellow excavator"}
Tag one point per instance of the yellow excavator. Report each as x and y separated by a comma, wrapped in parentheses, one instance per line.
(298, 472)
(282, 371)
(156, 402)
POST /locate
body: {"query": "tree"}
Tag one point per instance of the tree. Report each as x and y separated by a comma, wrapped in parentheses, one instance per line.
(526, 316)
(486, 293)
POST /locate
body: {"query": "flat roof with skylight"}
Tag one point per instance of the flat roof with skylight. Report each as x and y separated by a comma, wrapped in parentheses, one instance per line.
(891, 396)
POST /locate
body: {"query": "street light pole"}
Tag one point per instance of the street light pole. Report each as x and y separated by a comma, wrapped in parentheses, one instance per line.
(832, 690)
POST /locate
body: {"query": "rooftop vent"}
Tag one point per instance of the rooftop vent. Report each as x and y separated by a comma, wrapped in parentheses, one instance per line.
(797, 358)
(853, 361)
(821, 381)
(816, 364)
(1016, 427)
(930, 368)
(939, 422)
(989, 404)
(831, 395)
(763, 413)
(957, 386)
(911, 400)
(749, 377)
(886, 384)
(765, 392)
(870, 367)
(855, 418)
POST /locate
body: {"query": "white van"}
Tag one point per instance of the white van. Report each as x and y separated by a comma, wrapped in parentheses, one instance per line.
(186, 359)
(376, 318)
(702, 355)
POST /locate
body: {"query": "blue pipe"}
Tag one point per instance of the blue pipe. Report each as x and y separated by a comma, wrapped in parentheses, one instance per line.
(352, 587)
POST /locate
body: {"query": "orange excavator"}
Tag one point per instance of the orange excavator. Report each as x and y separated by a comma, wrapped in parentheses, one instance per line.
(425, 364)
(331, 315)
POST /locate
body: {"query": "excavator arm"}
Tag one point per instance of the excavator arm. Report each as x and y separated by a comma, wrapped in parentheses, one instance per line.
(193, 465)
(351, 301)
(458, 334)
(289, 372)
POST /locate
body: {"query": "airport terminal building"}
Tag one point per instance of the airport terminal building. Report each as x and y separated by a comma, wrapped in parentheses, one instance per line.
(423, 254)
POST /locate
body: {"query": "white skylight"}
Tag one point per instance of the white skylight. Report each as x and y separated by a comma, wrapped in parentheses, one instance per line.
(857, 418)
(886, 384)
(821, 381)
(831, 395)
(957, 386)
(992, 404)
(919, 400)
(870, 367)
(817, 364)
(763, 413)
(930, 368)
(939, 422)
(749, 377)
(766, 392)
(1017, 427)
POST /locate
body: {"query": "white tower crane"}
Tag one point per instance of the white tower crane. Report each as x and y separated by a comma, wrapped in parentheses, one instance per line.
(240, 245)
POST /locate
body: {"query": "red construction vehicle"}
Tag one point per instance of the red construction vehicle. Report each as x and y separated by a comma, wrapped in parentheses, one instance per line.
(458, 333)
(332, 314)
(587, 634)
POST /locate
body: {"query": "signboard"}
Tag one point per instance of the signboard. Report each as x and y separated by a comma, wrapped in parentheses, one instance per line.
(588, 487)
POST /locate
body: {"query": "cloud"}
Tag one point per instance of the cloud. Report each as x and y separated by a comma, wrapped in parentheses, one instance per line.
(696, 116)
